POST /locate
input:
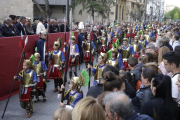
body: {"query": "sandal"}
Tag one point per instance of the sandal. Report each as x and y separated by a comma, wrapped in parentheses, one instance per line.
(37, 100)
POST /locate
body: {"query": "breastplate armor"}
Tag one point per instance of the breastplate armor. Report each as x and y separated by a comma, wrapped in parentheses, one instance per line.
(125, 53)
(56, 59)
(103, 41)
(72, 98)
(87, 46)
(27, 78)
(38, 69)
(136, 47)
(114, 63)
(147, 38)
(142, 43)
(128, 30)
(98, 73)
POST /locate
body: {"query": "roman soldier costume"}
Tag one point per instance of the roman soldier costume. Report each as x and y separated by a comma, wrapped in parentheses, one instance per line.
(126, 53)
(97, 69)
(58, 60)
(137, 48)
(73, 97)
(28, 80)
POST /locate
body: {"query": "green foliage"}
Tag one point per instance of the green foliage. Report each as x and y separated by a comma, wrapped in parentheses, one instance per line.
(91, 6)
(172, 13)
(176, 16)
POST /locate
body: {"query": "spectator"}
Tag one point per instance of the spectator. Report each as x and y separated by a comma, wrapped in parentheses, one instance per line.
(163, 50)
(177, 49)
(149, 57)
(88, 109)
(101, 97)
(126, 76)
(62, 114)
(29, 28)
(118, 107)
(128, 88)
(21, 25)
(6, 29)
(175, 41)
(171, 64)
(52, 27)
(35, 25)
(143, 59)
(40, 27)
(18, 19)
(13, 24)
(150, 48)
(58, 26)
(170, 35)
(65, 22)
(153, 41)
(166, 40)
(162, 106)
(159, 43)
(153, 66)
(113, 82)
(135, 67)
(47, 23)
(144, 94)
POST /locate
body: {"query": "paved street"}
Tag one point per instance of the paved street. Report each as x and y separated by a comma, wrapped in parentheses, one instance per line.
(42, 111)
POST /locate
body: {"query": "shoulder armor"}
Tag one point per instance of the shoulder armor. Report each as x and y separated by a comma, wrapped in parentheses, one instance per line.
(96, 66)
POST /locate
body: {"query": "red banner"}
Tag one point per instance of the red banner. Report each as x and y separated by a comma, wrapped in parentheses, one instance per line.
(10, 56)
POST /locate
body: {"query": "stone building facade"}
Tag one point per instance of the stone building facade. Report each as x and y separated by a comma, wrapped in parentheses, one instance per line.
(16, 7)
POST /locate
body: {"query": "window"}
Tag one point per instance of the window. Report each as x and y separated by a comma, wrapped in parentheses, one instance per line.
(64, 9)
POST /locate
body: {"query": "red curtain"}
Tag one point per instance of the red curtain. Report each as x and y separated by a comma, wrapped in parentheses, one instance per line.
(10, 54)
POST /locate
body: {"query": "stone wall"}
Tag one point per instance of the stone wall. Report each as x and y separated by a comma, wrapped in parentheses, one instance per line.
(15, 7)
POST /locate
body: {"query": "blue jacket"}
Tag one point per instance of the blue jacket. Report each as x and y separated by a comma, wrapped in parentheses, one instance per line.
(40, 48)
(7, 31)
(80, 39)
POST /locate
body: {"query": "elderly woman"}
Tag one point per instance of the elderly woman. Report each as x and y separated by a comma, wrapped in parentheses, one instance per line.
(166, 40)
(29, 28)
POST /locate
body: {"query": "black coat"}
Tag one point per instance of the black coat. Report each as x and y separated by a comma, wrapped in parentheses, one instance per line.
(96, 90)
(62, 28)
(58, 28)
(52, 29)
(20, 28)
(7, 31)
(157, 106)
(14, 28)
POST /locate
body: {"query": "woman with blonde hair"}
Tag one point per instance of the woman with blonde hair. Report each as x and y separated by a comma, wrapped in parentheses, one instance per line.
(163, 50)
(62, 114)
(88, 109)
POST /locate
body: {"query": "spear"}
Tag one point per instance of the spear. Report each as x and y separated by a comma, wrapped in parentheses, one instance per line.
(22, 43)
(66, 66)
(91, 39)
(16, 75)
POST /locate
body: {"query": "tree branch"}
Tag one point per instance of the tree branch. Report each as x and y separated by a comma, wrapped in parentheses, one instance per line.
(40, 8)
(47, 8)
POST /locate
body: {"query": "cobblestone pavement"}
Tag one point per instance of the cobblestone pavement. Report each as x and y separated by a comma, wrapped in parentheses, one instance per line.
(42, 111)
